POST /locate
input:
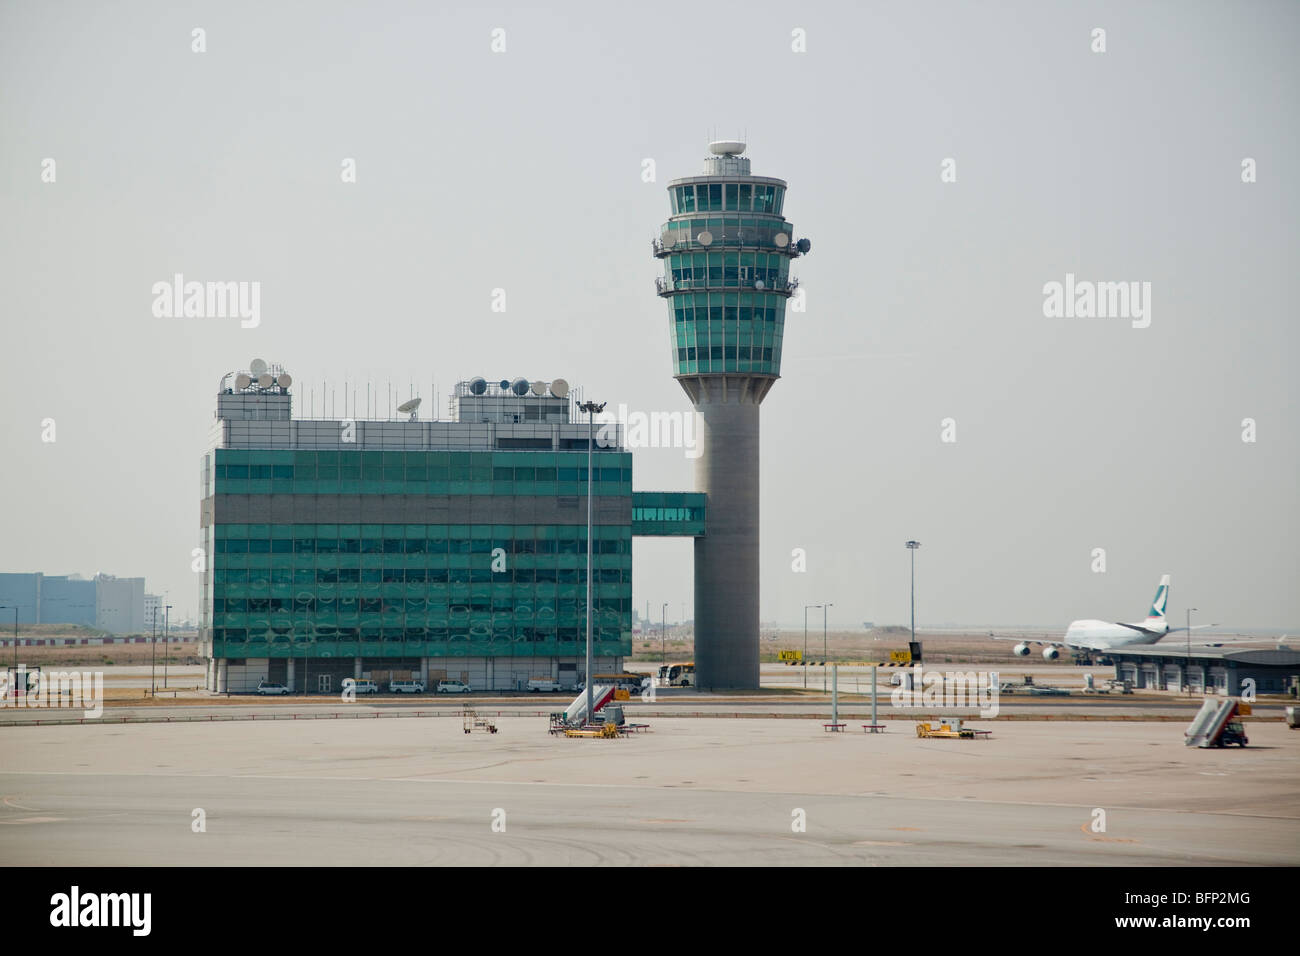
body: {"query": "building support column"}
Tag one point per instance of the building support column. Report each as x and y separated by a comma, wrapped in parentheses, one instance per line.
(221, 676)
(356, 668)
(289, 678)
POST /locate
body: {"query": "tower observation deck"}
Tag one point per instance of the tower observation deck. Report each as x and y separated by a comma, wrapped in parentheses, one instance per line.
(727, 251)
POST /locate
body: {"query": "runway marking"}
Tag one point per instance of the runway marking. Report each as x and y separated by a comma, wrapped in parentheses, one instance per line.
(32, 820)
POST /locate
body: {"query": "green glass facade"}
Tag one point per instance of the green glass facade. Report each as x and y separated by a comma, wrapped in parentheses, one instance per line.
(668, 513)
(459, 588)
(726, 276)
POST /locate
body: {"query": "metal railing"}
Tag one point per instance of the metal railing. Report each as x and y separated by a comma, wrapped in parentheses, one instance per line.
(667, 286)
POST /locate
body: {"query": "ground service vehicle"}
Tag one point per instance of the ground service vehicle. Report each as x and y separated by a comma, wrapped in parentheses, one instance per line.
(632, 683)
(266, 688)
(453, 687)
(681, 675)
(360, 686)
(548, 684)
(406, 687)
(1233, 733)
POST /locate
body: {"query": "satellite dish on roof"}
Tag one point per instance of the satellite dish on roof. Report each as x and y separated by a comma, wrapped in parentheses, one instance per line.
(538, 388)
(257, 367)
(559, 388)
(284, 380)
(477, 385)
(759, 284)
(242, 381)
(520, 386)
(705, 238)
(726, 147)
(412, 406)
(504, 383)
(781, 239)
(265, 380)
(803, 245)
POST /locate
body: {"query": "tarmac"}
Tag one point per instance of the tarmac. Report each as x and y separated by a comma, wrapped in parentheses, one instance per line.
(693, 791)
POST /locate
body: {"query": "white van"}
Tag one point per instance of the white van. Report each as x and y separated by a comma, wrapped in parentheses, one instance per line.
(453, 687)
(360, 686)
(406, 687)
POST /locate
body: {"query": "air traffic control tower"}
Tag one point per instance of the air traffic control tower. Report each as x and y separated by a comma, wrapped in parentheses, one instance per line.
(727, 252)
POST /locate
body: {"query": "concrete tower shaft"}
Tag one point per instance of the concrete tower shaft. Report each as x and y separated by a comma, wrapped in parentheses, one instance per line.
(727, 251)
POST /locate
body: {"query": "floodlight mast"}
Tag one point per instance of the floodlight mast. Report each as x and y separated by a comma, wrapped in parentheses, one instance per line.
(591, 408)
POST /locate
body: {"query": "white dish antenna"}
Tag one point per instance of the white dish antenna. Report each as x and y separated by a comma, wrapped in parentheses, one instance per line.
(559, 388)
(412, 406)
(520, 386)
(705, 238)
(538, 388)
(284, 380)
(781, 239)
(759, 284)
(265, 380)
(257, 367)
(242, 381)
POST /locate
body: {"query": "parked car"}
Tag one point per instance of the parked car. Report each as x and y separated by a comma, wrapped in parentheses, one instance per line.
(268, 688)
(406, 687)
(453, 687)
(360, 686)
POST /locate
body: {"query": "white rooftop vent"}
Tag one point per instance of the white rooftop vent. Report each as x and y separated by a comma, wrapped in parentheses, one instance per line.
(726, 147)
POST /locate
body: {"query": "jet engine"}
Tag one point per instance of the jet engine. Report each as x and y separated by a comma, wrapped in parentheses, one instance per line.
(1050, 653)
(1020, 650)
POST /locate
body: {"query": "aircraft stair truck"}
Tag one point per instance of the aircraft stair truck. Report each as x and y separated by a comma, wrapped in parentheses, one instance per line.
(1215, 724)
(576, 713)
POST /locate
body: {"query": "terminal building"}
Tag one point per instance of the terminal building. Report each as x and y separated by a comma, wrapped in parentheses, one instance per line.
(434, 549)
(1216, 670)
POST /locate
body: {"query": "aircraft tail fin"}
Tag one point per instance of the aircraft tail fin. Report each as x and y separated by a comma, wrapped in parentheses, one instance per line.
(1160, 602)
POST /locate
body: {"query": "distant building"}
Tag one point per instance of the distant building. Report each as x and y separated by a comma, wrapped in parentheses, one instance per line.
(107, 602)
(119, 604)
(153, 612)
(48, 599)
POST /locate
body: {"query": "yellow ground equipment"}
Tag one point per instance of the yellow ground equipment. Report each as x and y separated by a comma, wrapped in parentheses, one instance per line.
(950, 729)
(608, 731)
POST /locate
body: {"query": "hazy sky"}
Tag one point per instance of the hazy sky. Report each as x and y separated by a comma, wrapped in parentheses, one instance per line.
(522, 170)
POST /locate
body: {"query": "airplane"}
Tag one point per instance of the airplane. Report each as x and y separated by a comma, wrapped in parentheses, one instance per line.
(1105, 635)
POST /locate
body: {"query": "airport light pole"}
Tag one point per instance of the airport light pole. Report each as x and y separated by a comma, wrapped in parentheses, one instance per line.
(153, 654)
(166, 630)
(805, 643)
(663, 636)
(912, 546)
(1188, 670)
(825, 610)
(590, 408)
